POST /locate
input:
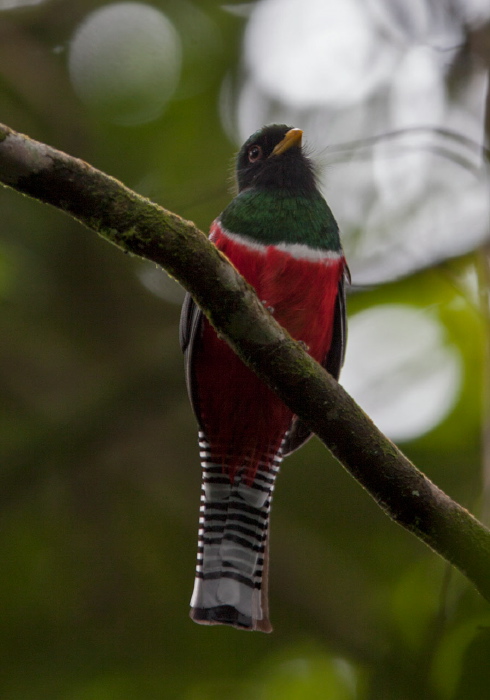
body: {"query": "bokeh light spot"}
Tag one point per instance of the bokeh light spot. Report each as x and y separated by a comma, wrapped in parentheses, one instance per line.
(401, 370)
(315, 52)
(15, 4)
(125, 61)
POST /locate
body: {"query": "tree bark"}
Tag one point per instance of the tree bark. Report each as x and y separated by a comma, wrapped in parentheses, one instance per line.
(142, 228)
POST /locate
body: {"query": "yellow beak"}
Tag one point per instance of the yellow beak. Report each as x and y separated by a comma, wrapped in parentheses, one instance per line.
(293, 138)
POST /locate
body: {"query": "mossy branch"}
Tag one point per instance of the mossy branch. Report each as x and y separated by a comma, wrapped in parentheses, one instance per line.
(142, 228)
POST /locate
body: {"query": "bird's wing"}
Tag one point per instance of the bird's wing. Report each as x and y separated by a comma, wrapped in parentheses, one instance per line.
(333, 362)
(189, 334)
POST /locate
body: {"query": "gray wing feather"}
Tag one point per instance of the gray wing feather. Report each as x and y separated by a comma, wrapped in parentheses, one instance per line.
(189, 335)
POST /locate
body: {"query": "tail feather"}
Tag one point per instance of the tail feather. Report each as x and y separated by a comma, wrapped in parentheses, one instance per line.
(231, 573)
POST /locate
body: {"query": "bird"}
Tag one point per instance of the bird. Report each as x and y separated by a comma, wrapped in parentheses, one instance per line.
(281, 235)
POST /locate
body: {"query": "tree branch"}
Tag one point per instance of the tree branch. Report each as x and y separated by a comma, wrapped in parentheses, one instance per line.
(142, 228)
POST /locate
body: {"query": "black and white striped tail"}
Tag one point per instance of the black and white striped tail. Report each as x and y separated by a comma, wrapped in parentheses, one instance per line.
(231, 573)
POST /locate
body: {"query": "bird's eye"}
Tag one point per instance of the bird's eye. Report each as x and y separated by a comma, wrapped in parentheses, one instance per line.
(254, 153)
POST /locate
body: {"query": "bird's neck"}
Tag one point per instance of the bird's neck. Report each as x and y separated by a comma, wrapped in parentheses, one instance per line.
(273, 216)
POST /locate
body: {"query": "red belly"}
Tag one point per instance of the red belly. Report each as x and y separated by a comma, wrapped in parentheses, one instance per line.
(242, 418)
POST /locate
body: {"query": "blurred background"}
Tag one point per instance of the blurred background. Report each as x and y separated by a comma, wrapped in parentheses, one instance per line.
(99, 472)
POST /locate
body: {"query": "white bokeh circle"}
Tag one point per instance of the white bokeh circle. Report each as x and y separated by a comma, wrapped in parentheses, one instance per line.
(124, 62)
(287, 42)
(401, 370)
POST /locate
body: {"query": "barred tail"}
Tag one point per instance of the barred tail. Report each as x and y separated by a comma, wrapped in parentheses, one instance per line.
(231, 573)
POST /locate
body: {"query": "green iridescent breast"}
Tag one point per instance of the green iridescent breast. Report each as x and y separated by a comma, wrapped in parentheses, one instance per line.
(276, 216)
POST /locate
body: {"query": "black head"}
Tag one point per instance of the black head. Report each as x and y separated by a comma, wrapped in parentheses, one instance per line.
(273, 157)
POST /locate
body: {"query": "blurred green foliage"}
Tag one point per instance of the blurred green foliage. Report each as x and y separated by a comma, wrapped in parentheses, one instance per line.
(99, 473)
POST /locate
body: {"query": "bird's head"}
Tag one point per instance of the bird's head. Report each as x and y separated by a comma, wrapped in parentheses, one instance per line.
(273, 157)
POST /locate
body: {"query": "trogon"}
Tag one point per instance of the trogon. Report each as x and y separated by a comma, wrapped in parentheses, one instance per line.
(280, 233)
